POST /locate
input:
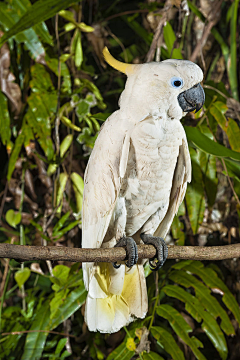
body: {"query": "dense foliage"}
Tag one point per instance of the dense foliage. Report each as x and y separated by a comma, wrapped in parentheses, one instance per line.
(56, 91)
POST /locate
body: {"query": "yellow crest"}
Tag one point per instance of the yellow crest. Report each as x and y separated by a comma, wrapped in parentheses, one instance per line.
(118, 65)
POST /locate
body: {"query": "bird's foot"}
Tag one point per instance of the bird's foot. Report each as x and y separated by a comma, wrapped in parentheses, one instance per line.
(160, 246)
(131, 249)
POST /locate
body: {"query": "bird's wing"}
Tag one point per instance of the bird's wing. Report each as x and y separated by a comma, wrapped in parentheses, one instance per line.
(182, 176)
(106, 168)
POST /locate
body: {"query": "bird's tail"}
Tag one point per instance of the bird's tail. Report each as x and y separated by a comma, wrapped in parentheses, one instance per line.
(115, 296)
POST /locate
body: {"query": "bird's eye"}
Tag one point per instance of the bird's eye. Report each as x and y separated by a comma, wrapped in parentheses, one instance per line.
(176, 82)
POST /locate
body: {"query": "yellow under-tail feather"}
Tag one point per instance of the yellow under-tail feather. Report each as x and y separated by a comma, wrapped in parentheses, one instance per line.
(107, 311)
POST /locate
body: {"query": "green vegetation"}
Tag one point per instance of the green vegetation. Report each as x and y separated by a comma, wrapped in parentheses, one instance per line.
(56, 92)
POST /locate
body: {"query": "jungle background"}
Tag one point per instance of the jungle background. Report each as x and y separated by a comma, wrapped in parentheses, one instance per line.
(56, 92)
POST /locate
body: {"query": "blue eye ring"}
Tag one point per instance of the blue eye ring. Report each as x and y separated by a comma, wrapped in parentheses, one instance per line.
(176, 82)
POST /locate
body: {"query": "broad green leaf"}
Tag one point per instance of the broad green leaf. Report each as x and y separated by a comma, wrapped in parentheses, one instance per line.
(211, 279)
(60, 272)
(195, 197)
(70, 305)
(230, 126)
(42, 106)
(35, 341)
(9, 16)
(209, 324)
(211, 147)
(170, 38)
(180, 326)
(82, 109)
(21, 276)
(203, 294)
(5, 129)
(38, 12)
(210, 179)
(13, 218)
(58, 299)
(167, 342)
(21, 6)
(151, 356)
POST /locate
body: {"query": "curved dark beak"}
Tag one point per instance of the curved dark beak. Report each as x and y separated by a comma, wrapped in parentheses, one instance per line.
(192, 99)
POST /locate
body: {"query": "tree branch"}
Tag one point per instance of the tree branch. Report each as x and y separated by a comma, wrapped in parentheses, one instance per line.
(57, 253)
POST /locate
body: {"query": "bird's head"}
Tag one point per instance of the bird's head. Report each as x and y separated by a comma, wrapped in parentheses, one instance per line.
(171, 87)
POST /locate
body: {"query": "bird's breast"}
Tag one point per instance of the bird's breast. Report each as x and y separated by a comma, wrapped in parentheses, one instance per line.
(153, 155)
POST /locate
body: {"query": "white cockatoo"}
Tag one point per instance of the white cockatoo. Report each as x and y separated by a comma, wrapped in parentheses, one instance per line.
(135, 180)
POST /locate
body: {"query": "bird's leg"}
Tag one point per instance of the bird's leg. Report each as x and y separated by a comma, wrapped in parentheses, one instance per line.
(131, 249)
(160, 246)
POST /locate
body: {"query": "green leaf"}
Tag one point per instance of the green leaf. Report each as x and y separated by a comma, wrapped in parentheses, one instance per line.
(210, 179)
(167, 342)
(209, 324)
(60, 272)
(13, 218)
(213, 281)
(60, 223)
(211, 147)
(151, 356)
(38, 12)
(195, 198)
(9, 16)
(5, 129)
(180, 326)
(35, 341)
(177, 229)
(60, 346)
(170, 38)
(101, 116)
(203, 294)
(21, 276)
(70, 305)
(230, 126)
(82, 109)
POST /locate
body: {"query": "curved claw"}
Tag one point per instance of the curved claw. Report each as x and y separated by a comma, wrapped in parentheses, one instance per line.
(131, 249)
(161, 248)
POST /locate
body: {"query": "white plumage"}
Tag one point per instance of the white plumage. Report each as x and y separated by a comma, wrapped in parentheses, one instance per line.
(135, 180)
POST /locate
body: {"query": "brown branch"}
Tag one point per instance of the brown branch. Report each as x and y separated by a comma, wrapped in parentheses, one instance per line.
(57, 253)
